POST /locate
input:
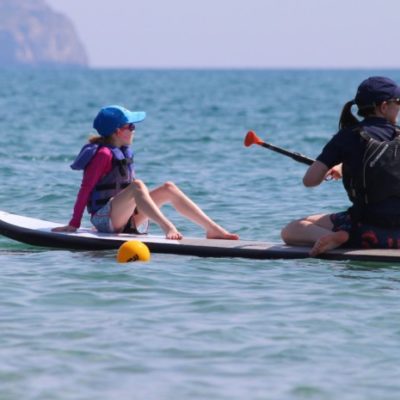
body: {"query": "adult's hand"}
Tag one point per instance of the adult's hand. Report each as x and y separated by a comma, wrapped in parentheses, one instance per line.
(334, 173)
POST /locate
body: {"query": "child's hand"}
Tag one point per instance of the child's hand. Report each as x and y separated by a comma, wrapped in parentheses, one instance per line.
(66, 228)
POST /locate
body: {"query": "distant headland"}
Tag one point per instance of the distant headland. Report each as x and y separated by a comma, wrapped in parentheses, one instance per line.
(33, 35)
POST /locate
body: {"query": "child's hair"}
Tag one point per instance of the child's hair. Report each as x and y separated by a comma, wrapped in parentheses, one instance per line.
(96, 139)
(347, 119)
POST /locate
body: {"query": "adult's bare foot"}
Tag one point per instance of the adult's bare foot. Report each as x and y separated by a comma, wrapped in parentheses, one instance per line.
(329, 242)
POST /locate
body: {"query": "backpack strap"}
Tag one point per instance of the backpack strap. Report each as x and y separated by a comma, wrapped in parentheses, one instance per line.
(358, 130)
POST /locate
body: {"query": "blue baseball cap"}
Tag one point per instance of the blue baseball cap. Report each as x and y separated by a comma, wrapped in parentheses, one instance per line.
(375, 90)
(110, 118)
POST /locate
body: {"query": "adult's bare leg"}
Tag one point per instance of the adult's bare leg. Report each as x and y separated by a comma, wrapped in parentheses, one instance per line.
(315, 230)
(329, 242)
(307, 231)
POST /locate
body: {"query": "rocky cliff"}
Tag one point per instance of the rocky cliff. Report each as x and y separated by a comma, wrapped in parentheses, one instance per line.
(32, 34)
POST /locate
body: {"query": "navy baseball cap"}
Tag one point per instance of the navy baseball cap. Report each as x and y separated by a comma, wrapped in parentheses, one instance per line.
(375, 90)
(110, 118)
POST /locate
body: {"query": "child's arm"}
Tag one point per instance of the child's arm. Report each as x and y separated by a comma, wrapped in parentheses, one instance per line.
(98, 167)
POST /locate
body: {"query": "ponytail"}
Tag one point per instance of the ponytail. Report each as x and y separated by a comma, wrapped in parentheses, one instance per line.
(95, 139)
(347, 118)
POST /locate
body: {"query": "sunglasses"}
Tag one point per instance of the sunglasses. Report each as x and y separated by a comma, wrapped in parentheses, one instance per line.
(130, 126)
(397, 101)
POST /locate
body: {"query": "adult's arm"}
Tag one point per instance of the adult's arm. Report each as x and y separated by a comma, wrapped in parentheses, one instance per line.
(315, 174)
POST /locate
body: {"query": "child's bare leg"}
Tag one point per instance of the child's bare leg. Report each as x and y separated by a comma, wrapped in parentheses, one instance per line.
(137, 194)
(170, 193)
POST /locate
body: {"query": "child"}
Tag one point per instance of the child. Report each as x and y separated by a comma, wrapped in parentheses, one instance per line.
(116, 200)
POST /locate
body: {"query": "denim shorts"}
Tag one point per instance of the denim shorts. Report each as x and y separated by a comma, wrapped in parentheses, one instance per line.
(101, 219)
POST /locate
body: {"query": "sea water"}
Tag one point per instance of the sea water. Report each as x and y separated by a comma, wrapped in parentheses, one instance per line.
(78, 325)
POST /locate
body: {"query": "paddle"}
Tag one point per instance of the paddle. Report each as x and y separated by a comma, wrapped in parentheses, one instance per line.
(252, 138)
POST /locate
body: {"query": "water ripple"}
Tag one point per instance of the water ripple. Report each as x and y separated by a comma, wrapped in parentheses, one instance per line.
(77, 325)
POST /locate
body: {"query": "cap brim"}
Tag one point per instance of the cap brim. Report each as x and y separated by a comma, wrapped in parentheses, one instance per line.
(135, 116)
(397, 92)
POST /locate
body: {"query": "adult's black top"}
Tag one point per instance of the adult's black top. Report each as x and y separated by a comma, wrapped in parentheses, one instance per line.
(347, 148)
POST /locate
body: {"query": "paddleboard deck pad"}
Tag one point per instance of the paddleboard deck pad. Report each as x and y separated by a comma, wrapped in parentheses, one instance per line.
(38, 232)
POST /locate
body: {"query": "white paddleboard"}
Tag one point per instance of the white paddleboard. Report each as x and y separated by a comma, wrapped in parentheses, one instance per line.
(38, 232)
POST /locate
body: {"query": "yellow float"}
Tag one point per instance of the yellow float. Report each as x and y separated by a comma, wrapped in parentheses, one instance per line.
(133, 250)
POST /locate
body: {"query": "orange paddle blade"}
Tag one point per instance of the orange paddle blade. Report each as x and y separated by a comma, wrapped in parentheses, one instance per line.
(252, 138)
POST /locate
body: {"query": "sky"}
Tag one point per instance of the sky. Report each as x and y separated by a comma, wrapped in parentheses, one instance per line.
(237, 33)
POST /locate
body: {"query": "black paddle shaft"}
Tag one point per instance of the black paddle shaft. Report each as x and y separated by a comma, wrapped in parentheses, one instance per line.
(296, 156)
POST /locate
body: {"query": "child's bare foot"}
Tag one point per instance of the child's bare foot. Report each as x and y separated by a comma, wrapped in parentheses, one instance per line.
(329, 242)
(221, 233)
(173, 234)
